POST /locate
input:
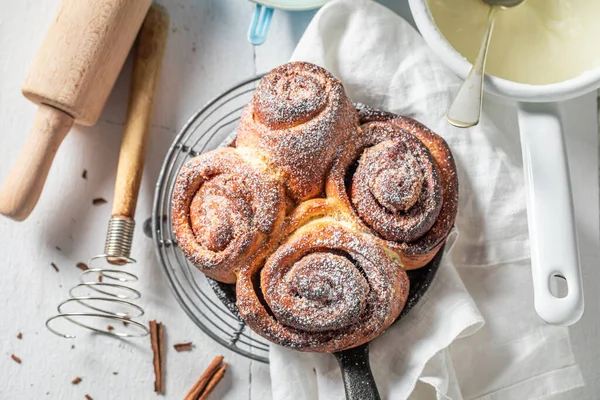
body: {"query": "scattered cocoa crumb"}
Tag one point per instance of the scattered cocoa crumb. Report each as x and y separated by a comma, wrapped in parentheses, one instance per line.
(183, 346)
(88, 397)
(57, 248)
(115, 373)
(54, 266)
(72, 346)
(17, 359)
(125, 323)
(76, 381)
(110, 328)
(20, 336)
(99, 201)
(84, 174)
(99, 278)
(82, 266)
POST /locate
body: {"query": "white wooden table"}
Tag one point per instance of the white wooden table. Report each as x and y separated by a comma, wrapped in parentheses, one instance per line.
(207, 53)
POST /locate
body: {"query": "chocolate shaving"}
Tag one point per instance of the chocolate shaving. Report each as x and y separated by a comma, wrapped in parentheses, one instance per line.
(208, 380)
(20, 336)
(183, 346)
(99, 201)
(76, 381)
(17, 359)
(82, 266)
(54, 266)
(157, 341)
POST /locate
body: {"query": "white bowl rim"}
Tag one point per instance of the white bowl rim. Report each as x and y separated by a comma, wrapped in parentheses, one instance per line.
(584, 83)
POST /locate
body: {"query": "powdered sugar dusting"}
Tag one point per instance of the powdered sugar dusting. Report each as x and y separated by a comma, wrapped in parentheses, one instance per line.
(320, 292)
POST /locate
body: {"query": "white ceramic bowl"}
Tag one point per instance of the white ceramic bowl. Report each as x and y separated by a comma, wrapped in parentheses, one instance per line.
(569, 89)
(550, 215)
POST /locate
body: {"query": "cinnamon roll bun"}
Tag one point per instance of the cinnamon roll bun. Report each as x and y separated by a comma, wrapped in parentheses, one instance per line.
(224, 209)
(328, 287)
(399, 180)
(298, 118)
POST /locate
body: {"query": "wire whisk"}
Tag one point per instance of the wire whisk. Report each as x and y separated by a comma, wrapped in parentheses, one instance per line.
(104, 293)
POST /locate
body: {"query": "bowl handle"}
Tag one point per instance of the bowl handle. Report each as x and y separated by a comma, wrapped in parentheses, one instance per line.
(550, 215)
(257, 33)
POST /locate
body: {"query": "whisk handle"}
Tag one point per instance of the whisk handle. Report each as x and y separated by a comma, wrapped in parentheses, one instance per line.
(147, 64)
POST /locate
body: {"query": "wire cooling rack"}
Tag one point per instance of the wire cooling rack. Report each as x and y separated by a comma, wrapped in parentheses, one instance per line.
(208, 129)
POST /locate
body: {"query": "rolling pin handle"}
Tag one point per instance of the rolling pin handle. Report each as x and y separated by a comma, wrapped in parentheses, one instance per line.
(25, 181)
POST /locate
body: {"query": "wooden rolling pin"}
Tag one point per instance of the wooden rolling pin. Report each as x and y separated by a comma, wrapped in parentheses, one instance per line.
(71, 78)
(147, 64)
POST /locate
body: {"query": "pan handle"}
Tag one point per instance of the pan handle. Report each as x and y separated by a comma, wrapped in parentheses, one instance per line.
(356, 373)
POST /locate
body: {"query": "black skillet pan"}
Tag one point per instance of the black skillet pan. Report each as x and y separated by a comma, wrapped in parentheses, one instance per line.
(354, 363)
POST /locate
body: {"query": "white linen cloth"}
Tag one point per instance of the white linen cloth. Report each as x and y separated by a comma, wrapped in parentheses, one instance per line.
(475, 334)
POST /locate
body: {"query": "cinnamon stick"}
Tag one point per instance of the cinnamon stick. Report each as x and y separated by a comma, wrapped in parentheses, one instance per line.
(198, 389)
(156, 339)
(213, 382)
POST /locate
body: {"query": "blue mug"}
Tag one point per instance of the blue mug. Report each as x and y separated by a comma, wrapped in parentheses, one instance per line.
(263, 13)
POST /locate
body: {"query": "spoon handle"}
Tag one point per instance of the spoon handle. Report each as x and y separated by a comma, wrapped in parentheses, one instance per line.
(466, 107)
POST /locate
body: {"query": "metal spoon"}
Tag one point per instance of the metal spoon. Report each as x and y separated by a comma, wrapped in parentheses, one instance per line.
(465, 110)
